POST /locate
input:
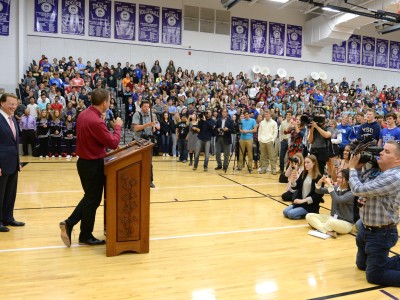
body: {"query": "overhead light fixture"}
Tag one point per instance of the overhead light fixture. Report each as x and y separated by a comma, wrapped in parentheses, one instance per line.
(280, 1)
(327, 8)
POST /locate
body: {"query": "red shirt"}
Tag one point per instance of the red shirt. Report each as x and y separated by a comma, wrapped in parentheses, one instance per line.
(57, 106)
(93, 136)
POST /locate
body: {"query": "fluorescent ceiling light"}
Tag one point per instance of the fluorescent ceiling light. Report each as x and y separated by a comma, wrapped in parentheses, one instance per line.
(330, 9)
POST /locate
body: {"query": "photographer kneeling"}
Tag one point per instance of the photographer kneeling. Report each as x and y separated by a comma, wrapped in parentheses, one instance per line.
(379, 216)
(342, 213)
(145, 123)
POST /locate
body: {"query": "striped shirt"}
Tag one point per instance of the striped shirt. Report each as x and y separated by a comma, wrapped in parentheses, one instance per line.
(382, 197)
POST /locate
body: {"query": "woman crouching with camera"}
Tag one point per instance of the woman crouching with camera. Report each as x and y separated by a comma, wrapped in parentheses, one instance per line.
(306, 200)
(295, 163)
(342, 211)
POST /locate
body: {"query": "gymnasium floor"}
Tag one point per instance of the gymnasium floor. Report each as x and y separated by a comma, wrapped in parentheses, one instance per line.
(213, 236)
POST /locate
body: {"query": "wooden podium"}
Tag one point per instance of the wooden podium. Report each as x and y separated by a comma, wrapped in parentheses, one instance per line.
(127, 198)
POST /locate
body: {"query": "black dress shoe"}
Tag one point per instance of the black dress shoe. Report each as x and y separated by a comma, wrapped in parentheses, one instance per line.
(152, 185)
(14, 223)
(218, 168)
(4, 228)
(92, 242)
(66, 233)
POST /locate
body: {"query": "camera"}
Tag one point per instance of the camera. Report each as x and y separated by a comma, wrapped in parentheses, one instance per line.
(367, 148)
(306, 119)
(293, 161)
(201, 115)
(220, 132)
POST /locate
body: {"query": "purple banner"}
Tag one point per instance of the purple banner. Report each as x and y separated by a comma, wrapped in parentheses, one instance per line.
(46, 16)
(368, 51)
(394, 55)
(239, 34)
(149, 23)
(294, 36)
(354, 49)
(339, 52)
(125, 19)
(73, 17)
(171, 26)
(381, 54)
(100, 18)
(276, 45)
(258, 36)
(5, 17)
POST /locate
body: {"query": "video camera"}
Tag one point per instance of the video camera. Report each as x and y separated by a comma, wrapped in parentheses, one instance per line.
(367, 148)
(306, 119)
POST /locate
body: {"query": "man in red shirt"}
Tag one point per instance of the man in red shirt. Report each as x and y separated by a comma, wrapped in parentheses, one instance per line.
(57, 105)
(77, 82)
(92, 138)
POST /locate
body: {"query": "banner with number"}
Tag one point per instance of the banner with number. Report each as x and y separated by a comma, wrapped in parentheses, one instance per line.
(294, 36)
(381, 53)
(5, 17)
(125, 19)
(73, 17)
(339, 52)
(394, 55)
(276, 39)
(368, 51)
(149, 23)
(354, 49)
(100, 18)
(46, 16)
(258, 36)
(171, 26)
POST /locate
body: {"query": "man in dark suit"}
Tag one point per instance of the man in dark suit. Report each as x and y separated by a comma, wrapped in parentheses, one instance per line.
(224, 129)
(9, 161)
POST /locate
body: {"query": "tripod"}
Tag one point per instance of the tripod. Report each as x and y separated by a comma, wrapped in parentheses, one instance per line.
(237, 149)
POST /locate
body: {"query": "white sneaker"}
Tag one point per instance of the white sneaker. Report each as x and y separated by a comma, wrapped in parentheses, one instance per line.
(47, 156)
(41, 156)
(166, 154)
(52, 156)
(259, 170)
(268, 169)
(68, 156)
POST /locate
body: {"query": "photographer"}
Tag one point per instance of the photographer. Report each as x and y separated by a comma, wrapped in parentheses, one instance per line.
(145, 124)
(319, 137)
(296, 164)
(206, 126)
(379, 217)
(224, 128)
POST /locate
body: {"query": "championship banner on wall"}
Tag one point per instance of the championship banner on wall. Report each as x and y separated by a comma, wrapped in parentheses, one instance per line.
(125, 19)
(368, 51)
(46, 16)
(354, 49)
(73, 17)
(294, 36)
(239, 34)
(276, 45)
(258, 36)
(5, 17)
(149, 23)
(100, 18)
(339, 52)
(394, 55)
(171, 26)
(381, 53)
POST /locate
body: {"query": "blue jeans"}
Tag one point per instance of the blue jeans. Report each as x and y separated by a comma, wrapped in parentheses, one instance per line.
(373, 255)
(199, 146)
(165, 143)
(294, 213)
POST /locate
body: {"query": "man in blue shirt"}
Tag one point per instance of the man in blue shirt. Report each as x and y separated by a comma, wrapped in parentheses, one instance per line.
(345, 129)
(247, 129)
(369, 128)
(392, 132)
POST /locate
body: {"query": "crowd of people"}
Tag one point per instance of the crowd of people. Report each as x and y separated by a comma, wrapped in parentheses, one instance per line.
(303, 130)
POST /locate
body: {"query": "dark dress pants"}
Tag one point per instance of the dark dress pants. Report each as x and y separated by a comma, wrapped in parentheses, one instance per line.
(282, 153)
(91, 173)
(28, 137)
(8, 193)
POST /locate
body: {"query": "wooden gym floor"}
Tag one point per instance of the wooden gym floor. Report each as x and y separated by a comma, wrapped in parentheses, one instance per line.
(213, 236)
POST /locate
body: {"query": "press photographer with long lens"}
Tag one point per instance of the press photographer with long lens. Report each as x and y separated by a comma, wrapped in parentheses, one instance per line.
(379, 217)
(145, 123)
(319, 137)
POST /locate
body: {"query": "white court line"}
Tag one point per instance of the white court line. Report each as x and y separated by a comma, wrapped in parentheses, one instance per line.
(166, 238)
(159, 188)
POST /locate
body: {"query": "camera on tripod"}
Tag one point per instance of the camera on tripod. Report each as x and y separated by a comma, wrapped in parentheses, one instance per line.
(367, 148)
(316, 116)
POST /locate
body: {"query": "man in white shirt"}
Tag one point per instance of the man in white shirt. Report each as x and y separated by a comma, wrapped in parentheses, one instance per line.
(33, 108)
(267, 133)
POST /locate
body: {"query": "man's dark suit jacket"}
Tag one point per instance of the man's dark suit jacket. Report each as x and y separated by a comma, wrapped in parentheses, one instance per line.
(227, 134)
(9, 152)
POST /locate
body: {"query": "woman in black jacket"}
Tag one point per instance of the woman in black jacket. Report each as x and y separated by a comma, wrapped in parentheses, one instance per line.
(306, 200)
(166, 126)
